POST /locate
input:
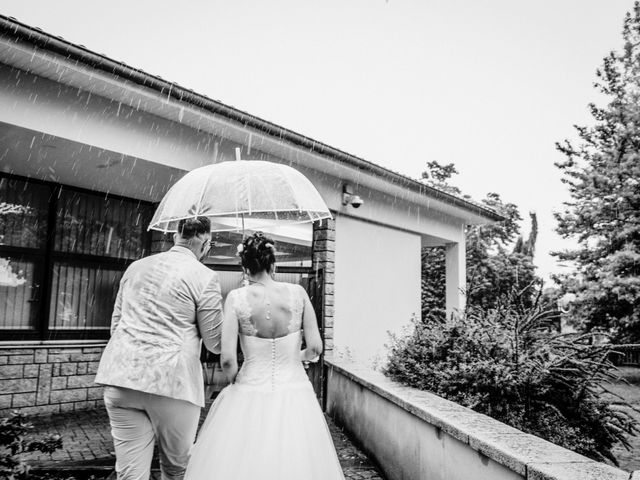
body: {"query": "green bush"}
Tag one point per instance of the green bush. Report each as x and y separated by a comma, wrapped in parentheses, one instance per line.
(14, 430)
(510, 363)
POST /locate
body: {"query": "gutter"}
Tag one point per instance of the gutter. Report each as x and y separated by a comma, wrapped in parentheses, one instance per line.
(17, 31)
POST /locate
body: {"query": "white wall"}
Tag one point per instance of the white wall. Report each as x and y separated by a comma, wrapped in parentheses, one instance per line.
(105, 145)
(377, 286)
(414, 434)
(404, 444)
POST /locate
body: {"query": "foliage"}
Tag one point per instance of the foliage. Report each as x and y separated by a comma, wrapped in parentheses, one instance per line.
(14, 430)
(508, 362)
(602, 172)
(498, 259)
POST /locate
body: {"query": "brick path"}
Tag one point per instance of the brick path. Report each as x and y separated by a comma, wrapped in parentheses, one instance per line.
(88, 444)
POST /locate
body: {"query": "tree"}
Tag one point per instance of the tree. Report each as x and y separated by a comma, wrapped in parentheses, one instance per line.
(503, 355)
(602, 171)
(499, 260)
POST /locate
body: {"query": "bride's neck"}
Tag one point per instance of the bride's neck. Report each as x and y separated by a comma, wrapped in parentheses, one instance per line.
(262, 277)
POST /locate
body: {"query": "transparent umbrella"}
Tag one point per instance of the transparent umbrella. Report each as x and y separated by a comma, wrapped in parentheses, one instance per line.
(239, 195)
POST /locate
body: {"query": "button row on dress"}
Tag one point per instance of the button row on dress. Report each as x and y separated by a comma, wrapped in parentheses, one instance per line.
(273, 363)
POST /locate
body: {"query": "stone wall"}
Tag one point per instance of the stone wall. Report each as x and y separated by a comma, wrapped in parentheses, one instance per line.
(49, 379)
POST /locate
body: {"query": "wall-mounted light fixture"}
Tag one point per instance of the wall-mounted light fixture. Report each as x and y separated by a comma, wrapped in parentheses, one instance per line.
(348, 197)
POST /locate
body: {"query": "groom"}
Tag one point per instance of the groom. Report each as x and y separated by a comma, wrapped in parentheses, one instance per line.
(151, 367)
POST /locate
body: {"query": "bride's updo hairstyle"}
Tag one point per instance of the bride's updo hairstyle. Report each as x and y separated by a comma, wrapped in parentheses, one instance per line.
(257, 253)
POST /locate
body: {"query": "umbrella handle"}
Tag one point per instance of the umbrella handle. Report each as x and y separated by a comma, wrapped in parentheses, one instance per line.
(245, 280)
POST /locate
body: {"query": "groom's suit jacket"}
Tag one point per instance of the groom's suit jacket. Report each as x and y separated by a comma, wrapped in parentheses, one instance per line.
(166, 303)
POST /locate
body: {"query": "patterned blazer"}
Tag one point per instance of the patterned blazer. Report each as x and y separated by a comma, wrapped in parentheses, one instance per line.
(167, 303)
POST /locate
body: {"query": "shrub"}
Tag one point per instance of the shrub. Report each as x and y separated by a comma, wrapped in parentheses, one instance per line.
(13, 442)
(509, 363)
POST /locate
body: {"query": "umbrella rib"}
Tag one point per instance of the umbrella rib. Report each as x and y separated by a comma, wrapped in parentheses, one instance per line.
(293, 192)
(270, 196)
(248, 185)
(199, 206)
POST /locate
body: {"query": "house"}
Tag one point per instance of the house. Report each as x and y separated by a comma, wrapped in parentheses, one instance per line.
(89, 145)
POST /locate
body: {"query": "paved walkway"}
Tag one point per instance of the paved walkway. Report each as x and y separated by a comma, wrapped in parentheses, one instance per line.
(87, 444)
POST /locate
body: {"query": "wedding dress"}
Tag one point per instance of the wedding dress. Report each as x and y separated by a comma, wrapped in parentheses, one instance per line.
(268, 424)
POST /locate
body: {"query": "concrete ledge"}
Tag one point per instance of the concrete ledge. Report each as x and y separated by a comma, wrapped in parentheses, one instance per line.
(525, 456)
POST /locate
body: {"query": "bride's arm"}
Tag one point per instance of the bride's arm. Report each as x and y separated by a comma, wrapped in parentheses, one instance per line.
(229, 355)
(311, 332)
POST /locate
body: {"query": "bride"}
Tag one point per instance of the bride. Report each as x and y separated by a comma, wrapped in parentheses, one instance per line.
(267, 423)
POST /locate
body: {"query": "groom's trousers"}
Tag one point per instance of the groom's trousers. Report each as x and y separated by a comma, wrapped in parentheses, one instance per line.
(137, 420)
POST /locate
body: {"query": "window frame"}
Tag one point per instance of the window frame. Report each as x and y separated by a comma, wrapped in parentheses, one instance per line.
(45, 258)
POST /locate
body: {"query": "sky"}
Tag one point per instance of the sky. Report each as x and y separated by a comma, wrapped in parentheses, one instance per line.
(489, 85)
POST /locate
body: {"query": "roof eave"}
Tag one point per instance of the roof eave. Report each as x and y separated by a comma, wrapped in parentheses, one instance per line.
(37, 38)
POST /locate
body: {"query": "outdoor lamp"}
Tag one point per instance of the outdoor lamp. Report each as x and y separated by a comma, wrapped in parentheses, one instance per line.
(348, 197)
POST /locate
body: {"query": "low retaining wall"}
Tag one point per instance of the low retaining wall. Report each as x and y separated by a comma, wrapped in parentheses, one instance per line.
(416, 435)
(44, 379)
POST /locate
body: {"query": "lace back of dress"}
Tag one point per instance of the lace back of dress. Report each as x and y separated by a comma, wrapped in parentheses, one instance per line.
(243, 312)
(246, 322)
(296, 304)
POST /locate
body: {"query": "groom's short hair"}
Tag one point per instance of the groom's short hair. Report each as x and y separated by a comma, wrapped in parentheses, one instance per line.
(191, 227)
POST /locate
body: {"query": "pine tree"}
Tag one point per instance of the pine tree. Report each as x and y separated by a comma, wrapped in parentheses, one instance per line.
(602, 172)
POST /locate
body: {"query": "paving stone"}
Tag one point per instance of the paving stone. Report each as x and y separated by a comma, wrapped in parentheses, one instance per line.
(44, 384)
(81, 381)
(68, 368)
(86, 437)
(18, 385)
(5, 401)
(93, 350)
(19, 351)
(92, 367)
(69, 395)
(41, 356)
(11, 371)
(20, 359)
(95, 393)
(59, 383)
(23, 400)
(85, 357)
(31, 370)
(59, 357)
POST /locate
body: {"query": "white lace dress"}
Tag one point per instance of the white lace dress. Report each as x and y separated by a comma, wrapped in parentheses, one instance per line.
(268, 424)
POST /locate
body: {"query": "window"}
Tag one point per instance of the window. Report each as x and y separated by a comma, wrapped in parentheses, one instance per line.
(62, 254)
(293, 246)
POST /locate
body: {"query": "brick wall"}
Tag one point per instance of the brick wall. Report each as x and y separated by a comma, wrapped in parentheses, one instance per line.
(48, 379)
(324, 255)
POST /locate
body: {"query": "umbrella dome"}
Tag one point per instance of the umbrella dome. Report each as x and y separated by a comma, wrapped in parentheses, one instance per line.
(238, 195)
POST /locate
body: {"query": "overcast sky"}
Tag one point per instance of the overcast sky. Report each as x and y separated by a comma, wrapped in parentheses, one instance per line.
(489, 85)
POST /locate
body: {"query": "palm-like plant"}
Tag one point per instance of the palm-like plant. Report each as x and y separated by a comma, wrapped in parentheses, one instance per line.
(509, 362)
